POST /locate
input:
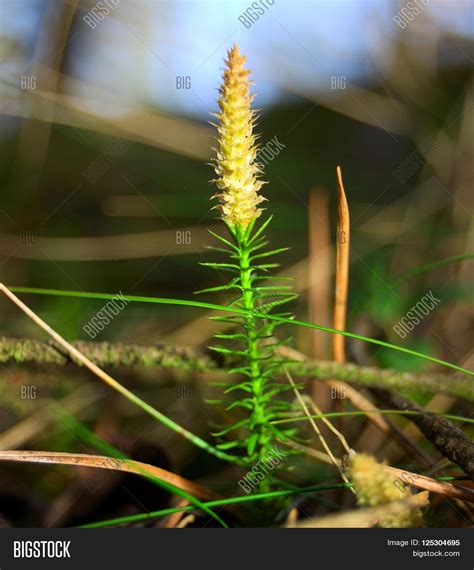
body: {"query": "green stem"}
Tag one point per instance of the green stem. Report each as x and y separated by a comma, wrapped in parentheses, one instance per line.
(253, 352)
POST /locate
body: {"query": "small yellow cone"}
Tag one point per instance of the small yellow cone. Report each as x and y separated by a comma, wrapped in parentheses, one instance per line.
(375, 487)
(235, 163)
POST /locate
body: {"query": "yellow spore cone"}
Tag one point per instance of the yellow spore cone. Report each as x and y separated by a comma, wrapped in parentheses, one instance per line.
(375, 487)
(235, 164)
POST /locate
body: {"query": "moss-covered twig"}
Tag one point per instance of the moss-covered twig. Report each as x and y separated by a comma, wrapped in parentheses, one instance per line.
(430, 383)
(106, 354)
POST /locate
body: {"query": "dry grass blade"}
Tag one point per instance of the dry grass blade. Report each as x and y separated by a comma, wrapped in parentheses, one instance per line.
(300, 399)
(335, 431)
(366, 518)
(319, 455)
(114, 464)
(387, 427)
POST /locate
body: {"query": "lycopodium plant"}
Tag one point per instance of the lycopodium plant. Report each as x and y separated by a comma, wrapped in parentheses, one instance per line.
(250, 342)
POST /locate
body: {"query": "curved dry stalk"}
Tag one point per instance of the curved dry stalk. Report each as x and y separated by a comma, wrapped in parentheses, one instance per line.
(110, 463)
(341, 284)
(342, 271)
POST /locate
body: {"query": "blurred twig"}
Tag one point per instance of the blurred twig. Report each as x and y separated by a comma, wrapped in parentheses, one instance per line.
(319, 268)
(358, 104)
(182, 136)
(98, 248)
(319, 277)
(450, 440)
(50, 49)
(37, 423)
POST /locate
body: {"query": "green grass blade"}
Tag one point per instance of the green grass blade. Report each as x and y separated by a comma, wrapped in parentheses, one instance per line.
(237, 311)
(217, 503)
(365, 412)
